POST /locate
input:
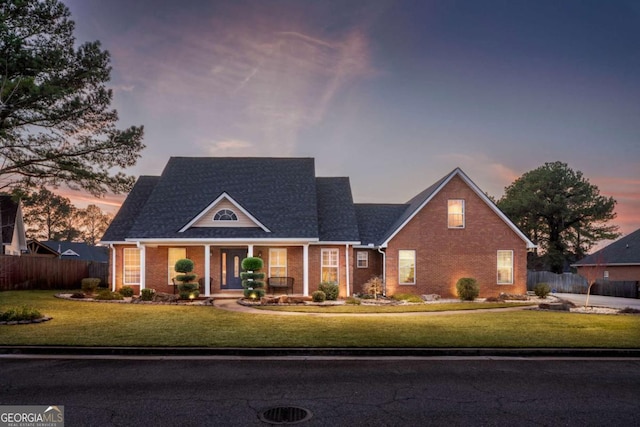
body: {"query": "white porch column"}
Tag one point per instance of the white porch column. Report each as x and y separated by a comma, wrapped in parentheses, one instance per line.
(113, 267)
(305, 270)
(207, 270)
(347, 269)
(143, 266)
(250, 251)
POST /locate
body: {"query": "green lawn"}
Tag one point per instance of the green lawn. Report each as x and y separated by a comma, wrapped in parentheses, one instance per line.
(409, 308)
(109, 324)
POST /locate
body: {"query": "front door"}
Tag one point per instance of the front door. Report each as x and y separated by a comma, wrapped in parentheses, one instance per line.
(230, 268)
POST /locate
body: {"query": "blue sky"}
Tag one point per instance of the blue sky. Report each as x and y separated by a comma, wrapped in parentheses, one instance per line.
(393, 94)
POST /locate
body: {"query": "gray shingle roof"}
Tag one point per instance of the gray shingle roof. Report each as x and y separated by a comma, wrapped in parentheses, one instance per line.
(336, 214)
(625, 250)
(85, 252)
(375, 220)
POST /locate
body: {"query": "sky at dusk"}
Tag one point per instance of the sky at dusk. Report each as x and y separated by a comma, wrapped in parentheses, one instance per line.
(393, 94)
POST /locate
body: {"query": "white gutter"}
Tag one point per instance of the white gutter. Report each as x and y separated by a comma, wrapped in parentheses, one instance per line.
(384, 271)
(113, 267)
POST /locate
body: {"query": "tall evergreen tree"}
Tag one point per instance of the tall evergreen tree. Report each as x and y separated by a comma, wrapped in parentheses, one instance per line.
(56, 125)
(560, 211)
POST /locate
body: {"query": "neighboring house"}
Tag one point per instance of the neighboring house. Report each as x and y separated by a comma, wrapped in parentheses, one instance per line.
(217, 211)
(69, 250)
(12, 230)
(617, 262)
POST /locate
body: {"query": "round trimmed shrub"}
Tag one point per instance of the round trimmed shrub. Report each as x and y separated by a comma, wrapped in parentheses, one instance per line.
(126, 291)
(252, 264)
(184, 265)
(147, 294)
(318, 296)
(467, 288)
(330, 290)
(542, 290)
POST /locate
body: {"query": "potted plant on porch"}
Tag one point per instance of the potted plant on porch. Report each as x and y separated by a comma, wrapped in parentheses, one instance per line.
(188, 287)
(251, 278)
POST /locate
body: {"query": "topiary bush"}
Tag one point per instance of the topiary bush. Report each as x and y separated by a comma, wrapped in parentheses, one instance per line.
(542, 289)
(318, 296)
(147, 294)
(252, 278)
(187, 289)
(330, 289)
(467, 288)
(89, 285)
(126, 291)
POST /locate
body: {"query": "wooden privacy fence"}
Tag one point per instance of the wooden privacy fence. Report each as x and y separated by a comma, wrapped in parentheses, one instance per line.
(33, 272)
(576, 284)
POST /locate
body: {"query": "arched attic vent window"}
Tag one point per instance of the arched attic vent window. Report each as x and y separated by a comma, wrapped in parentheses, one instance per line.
(225, 215)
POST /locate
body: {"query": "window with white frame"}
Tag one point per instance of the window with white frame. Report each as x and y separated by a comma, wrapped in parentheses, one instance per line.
(362, 259)
(131, 266)
(329, 265)
(278, 262)
(407, 267)
(174, 254)
(455, 213)
(505, 267)
(225, 215)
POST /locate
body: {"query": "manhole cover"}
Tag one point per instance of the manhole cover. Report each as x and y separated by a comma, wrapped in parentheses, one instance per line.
(285, 415)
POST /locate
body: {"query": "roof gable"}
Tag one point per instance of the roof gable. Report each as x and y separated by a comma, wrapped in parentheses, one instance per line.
(224, 203)
(78, 250)
(624, 251)
(416, 204)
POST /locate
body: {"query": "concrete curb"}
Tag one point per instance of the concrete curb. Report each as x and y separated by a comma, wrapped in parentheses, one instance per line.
(319, 352)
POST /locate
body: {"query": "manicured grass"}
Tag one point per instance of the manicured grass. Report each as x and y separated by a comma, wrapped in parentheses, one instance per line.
(112, 324)
(410, 308)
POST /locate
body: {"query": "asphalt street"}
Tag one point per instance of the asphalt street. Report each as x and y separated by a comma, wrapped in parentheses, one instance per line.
(385, 392)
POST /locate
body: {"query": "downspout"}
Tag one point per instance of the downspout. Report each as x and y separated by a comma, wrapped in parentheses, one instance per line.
(113, 267)
(384, 271)
(347, 269)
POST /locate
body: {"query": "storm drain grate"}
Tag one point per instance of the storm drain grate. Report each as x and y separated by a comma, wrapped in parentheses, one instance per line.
(285, 415)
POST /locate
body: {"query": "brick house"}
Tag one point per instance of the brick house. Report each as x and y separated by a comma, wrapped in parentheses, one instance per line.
(217, 211)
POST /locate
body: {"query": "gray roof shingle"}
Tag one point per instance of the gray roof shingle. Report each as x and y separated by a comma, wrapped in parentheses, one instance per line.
(375, 220)
(625, 250)
(337, 220)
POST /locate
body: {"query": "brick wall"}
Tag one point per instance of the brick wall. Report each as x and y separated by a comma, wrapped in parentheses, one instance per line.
(444, 255)
(362, 275)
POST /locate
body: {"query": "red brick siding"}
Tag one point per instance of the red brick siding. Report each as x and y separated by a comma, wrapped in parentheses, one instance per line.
(315, 266)
(362, 275)
(622, 273)
(445, 255)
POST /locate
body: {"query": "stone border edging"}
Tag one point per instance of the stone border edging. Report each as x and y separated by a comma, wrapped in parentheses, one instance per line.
(26, 322)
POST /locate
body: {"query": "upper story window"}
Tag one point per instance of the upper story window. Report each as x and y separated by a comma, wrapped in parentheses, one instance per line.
(455, 213)
(225, 215)
(363, 259)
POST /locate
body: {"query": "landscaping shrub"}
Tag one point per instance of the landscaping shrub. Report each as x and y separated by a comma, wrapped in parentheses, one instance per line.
(542, 290)
(147, 294)
(407, 297)
(252, 264)
(251, 278)
(254, 293)
(89, 284)
(184, 266)
(353, 301)
(318, 296)
(126, 291)
(188, 290)
(330, 290)
(373, 286)
(467, 288)
(18, 314)
(107, 295)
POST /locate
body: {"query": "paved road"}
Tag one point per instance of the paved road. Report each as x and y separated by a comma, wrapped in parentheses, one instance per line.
(399, 392)
(601, 301)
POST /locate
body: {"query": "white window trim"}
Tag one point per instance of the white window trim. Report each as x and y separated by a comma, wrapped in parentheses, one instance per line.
(415, 265)
(464, 215)
(271, 264)
(336, 266)
(498, 267)
(225, 220)
(124, 266)
(366, 259)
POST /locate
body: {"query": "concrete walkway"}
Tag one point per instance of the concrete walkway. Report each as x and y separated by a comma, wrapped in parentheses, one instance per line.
(601, 301)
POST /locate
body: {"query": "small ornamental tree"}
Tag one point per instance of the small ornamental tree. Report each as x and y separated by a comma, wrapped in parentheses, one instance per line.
(252, 279)
(188, 288)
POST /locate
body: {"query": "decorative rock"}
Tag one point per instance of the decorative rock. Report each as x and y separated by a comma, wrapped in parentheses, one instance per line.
(163, 297)
(430, 297)
(269, 300)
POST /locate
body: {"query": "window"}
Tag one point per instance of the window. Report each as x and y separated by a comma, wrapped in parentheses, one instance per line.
(455, 211)
(362, 260)
(329, 267)
(406, 267)
(174, 254)
(278, 262)
(505, 267)
(131, 266)
(225, 215)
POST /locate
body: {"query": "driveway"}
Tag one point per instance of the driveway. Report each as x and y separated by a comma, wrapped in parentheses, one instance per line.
(601, 301)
